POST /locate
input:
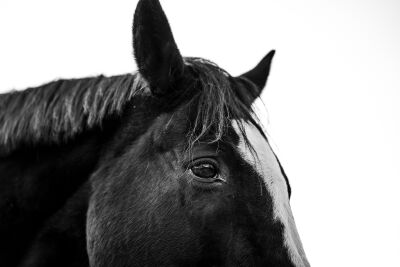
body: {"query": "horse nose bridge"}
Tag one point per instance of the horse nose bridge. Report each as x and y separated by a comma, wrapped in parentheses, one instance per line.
(275, 232)
(271, 209)
(291, 236)
(281, 220)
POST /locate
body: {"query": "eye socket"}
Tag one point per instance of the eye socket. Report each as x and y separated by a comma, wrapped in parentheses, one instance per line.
(205, 170)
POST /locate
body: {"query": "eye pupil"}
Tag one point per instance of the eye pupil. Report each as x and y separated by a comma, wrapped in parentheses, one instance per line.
(204, 170)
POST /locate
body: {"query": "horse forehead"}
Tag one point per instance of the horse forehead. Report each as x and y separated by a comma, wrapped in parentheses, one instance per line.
(260, 155)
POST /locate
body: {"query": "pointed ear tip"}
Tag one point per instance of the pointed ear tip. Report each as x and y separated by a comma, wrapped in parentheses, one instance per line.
(147, 5)
(148, 1)
(271, 53)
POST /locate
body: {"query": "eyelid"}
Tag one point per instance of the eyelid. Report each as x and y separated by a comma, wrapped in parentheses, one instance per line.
(209, 160)
(203, 159)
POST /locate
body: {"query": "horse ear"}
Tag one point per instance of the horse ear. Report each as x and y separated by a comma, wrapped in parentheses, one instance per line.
(156, 53)
(259, 74)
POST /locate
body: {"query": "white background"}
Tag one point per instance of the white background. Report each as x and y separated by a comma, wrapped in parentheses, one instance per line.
(332, 98)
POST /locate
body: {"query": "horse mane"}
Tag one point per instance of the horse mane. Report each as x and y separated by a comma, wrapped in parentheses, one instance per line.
(60, 109)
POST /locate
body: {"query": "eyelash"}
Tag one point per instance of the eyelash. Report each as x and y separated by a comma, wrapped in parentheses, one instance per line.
(198, 161)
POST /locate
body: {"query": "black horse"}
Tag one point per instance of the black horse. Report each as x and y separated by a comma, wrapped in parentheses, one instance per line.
(164, 167)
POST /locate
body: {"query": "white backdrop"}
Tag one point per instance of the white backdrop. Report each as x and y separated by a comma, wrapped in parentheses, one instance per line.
(332, 99)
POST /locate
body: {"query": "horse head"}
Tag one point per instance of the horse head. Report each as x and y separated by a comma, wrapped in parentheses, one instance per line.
(189, 178)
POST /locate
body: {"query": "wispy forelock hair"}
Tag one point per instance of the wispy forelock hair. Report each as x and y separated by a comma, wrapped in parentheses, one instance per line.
(216, 105)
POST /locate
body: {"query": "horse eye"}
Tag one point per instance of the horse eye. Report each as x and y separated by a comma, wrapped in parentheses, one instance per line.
(204, 170)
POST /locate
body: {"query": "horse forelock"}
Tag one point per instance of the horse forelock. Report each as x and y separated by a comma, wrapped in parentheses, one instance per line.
(216, 103)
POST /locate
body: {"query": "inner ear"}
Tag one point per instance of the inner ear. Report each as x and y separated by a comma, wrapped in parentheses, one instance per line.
(256, 79)
(156, 53)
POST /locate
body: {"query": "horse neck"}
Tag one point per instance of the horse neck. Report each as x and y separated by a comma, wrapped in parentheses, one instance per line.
(36, 182)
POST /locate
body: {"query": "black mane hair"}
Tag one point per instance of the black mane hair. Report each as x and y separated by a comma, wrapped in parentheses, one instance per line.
(59, 110)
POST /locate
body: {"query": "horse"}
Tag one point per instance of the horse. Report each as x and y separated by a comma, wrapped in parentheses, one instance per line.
(168, 166)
